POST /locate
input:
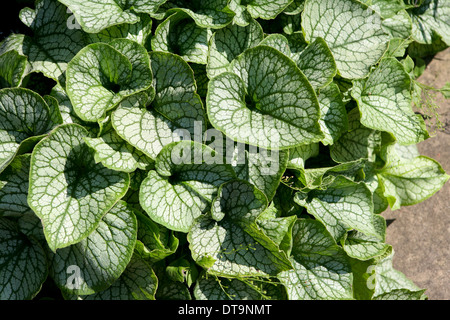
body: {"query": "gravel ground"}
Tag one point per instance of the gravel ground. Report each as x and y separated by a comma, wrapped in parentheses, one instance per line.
(420, 234)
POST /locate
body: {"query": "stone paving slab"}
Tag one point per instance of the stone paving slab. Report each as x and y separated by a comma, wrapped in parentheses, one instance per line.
(420, 234)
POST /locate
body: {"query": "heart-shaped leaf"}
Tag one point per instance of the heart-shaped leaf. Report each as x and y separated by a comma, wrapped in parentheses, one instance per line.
(179, 34)
(183, 185)
(23, 261)
(321, 269)
(26, 118)
(229, 42)
(265, 9)
(14, 187)
(384, 101)
(176, 109)
(101, 75)
(53, 44)
(282, 113)
(213, 14)
(94, 16)
(429, 19)
(99, 260)
(359, 246)
(343, 206)
(138, 32)
(317, 63)
(408, 182)
(68, 190)
(230, 240)
(352, 31)
(137, 282)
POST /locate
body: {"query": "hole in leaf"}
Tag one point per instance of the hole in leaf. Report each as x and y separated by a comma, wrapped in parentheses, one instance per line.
(127, 6)
(111, 86)
(39, 83)
(49, 291)
(149, 107)
(322, 160)
(269, 26)
(14, 24)
(252, 102)
(389, 222)
(193, 5)
(173, 179)
(175, 48)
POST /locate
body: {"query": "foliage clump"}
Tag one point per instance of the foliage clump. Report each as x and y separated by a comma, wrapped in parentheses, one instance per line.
(217, 149)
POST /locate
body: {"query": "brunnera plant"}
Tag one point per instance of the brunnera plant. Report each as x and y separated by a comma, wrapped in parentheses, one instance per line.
(218, 149)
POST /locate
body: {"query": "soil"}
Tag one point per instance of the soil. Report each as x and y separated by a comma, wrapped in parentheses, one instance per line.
(420, 234)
